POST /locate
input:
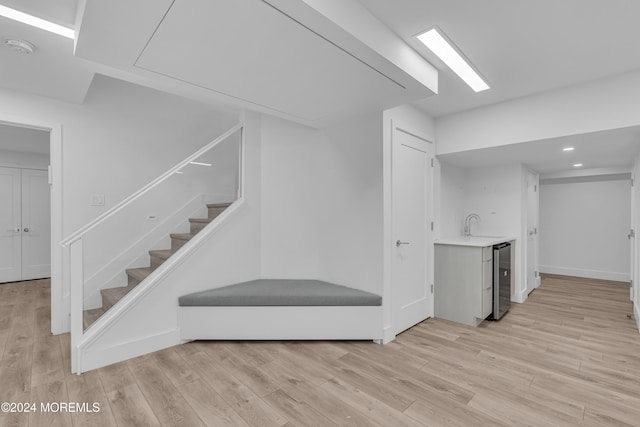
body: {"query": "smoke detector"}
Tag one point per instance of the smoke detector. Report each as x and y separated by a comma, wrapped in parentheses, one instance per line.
(20, 46)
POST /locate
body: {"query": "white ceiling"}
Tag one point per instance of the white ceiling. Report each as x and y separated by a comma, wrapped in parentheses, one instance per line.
(520, 47)
(52, 70)
(613, 149)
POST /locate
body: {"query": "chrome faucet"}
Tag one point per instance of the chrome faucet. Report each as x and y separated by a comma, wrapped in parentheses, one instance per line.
(467, 223)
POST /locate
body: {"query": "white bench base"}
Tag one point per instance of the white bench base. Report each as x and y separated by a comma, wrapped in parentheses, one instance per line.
(280, 323)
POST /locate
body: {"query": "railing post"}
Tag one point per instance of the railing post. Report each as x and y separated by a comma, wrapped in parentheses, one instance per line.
(76, 287)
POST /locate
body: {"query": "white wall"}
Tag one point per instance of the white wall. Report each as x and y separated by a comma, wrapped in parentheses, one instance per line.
(350, 188)
(451, 199)
(291, 156)
(584, 227)
(322, 202)
(604, 104)
(18, 159)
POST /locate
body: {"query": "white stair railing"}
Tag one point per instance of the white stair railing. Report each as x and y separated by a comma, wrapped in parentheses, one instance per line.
(75, 246)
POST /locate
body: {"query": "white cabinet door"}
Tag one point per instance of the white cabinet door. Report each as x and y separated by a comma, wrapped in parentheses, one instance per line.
(36, 225)
(10, 226)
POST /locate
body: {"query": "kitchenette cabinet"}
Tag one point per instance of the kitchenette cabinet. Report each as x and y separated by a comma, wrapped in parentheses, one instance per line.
(464, 279)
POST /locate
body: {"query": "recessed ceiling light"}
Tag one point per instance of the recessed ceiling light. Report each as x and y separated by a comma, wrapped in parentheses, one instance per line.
(568, 149)
(577, 165)
(20, 46)
(200, 164)
(454, 59)
(25, 18)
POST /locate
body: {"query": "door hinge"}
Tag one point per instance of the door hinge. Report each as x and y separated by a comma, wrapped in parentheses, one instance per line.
(431, 225)
(535, 188)
(535, 230)
(50, 175)
(432, 288)
(631, 234)
(431, 162)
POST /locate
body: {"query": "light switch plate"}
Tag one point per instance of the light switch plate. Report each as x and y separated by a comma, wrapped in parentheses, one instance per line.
(97, 200)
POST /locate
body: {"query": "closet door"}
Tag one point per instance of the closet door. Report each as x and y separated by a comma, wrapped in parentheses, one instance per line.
(36, 225)
(10, 225)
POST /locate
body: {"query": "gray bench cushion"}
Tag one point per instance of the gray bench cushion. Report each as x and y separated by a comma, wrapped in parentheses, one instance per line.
(281, 292)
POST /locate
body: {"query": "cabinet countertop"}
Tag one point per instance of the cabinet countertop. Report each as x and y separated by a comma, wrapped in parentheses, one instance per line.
(479, 241)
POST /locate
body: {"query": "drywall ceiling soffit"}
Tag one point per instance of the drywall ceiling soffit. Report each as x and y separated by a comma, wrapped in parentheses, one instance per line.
(520, 47)
(605, 150)
(284, 58)
(51, 71)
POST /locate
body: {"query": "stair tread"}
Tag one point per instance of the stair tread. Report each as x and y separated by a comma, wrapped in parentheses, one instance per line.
(182, 236)
(201, 219)
(161, 253)
(114, 295)
(139, 273)
(90, 316)
(219, 205)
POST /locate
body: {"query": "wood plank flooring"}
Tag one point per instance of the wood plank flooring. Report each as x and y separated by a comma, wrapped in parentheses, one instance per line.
(568, 356)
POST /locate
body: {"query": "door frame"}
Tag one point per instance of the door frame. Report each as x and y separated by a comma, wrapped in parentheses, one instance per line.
(531, 177)
(59, 310)
(389, 124)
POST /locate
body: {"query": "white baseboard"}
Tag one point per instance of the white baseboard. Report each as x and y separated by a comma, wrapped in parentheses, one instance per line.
(636, 314)
(97, 358)
(520, 297)
(591, 274)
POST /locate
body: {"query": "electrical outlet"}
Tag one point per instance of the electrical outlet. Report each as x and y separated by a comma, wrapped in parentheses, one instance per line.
(97, 199)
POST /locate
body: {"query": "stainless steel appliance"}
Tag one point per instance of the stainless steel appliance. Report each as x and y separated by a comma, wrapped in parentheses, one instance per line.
(501, 279)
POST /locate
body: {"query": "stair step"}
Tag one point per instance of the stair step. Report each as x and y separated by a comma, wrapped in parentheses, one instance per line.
(216, 209)
(111, 296)
(197, 224)
(159, 256)
(178, 240)
(90, 316)
(137, 275)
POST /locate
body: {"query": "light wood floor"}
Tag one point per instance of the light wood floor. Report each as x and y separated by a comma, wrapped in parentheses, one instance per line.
(568, 356)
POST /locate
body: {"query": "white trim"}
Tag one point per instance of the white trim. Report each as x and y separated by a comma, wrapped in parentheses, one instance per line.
(97, 357)
(281, 323)
(591, 274)
(59, 303)
(636, 314)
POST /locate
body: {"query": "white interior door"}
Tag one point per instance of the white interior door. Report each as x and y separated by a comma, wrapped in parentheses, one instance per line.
(10, 225)
(532, 232)
(412, 300)
(36, 225)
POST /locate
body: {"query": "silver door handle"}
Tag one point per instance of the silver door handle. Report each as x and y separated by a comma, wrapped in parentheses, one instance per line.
(26, 229)
(398, 243)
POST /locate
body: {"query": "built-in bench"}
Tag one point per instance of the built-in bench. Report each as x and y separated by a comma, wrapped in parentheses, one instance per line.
(267, 309)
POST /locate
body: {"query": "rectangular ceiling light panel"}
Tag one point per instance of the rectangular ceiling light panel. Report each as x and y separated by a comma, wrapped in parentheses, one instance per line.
(433, 40)
(25, 18)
